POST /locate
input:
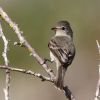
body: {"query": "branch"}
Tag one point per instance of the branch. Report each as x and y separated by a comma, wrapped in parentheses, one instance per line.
(4, 54)
(6, 61)
(68, 93)
(97, 94)
(24, 42)
(66, 90)
(29, 72)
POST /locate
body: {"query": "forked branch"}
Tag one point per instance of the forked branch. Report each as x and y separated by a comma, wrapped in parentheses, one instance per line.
(24, 43)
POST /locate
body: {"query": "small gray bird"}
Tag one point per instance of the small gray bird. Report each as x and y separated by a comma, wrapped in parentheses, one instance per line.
(62, 50)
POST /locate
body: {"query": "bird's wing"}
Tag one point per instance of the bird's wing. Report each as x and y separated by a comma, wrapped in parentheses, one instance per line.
(60, 51)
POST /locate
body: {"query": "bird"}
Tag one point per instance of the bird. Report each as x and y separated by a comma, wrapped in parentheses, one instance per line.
(62, 50)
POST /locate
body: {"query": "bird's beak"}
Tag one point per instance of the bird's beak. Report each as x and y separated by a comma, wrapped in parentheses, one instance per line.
(53, 28)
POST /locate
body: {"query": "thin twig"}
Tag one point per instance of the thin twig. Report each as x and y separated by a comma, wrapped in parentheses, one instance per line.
(68, 93)
(98, 46)
(97, 94)
(6, 61)
(40, 60)
(24, 42)
(29, 72)
(66, 90)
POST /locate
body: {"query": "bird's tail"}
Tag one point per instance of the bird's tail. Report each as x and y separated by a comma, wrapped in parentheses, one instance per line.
(59, 82)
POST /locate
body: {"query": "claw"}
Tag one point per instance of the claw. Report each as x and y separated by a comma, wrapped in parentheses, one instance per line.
(45, 60)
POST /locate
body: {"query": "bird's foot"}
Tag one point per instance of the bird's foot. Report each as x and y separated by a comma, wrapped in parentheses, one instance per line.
(47, 60)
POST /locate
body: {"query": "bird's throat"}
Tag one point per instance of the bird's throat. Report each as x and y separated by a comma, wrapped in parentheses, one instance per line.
(60, 33)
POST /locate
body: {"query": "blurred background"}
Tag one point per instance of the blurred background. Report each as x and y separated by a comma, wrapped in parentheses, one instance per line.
(35, 18)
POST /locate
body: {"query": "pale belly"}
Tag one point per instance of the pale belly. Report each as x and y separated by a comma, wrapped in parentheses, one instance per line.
(54, 59)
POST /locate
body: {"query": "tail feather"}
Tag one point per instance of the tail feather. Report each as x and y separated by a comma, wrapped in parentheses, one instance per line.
(60, 77)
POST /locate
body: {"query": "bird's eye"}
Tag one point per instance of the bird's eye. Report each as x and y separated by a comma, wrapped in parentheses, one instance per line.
(63, 28)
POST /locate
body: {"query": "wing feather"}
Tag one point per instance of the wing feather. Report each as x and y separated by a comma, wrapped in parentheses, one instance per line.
(62, 49)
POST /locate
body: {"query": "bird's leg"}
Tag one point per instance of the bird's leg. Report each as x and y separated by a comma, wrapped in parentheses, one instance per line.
(47, 60)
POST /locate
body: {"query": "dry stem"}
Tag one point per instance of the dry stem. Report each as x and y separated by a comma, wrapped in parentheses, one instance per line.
(97, 94)
(6, 61)
(24, 43)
